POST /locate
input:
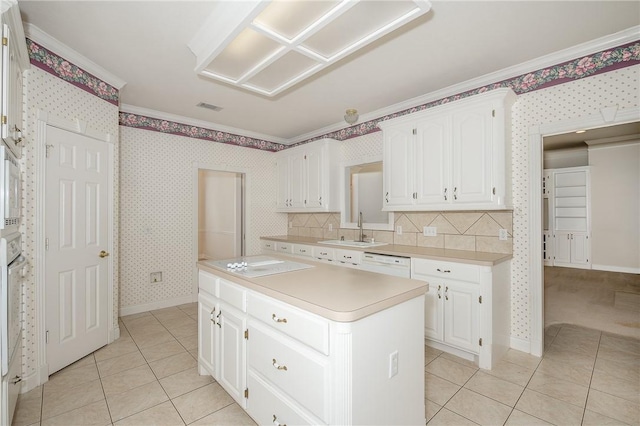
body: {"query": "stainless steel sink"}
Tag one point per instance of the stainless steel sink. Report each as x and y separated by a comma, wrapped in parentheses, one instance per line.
(352, 243)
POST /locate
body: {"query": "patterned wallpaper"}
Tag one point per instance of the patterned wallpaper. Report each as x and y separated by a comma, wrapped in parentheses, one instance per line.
(46, 92)
(157, 201)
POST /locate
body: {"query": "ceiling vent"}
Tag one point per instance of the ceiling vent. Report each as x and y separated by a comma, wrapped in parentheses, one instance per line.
(209, 106)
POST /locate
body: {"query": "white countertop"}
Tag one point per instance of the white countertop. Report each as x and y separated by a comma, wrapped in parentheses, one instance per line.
(333, 292)
(462, 256)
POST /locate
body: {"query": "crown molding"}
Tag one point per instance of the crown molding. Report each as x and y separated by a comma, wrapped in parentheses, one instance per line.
(45, 40)
(610, 41)
(147, 112)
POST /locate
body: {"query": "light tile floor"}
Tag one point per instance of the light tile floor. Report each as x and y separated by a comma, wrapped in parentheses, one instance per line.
(149, 376)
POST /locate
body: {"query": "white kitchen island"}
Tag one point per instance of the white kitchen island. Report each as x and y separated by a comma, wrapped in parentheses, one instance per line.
(324, 345)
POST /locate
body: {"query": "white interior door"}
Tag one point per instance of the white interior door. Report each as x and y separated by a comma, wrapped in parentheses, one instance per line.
(77, 266)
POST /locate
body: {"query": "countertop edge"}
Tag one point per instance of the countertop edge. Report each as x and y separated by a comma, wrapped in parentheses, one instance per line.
(459, 256)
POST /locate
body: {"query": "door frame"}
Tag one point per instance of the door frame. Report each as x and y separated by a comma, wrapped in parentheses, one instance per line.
(43, 120)
(246, 190)
(608, 116)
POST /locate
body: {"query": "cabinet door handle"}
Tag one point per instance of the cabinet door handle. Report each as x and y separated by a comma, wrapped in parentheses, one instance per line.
(455, 193)
(279, 320)
(276, 422)
(211, 315)
(445, 271)
(278, 366)
(320, 200)
(218, 318)
(445, 194)
(387, 197)
(439, 295)
(446, 293)
(16, 380)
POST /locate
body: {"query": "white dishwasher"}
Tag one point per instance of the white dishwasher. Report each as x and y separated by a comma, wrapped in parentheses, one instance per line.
(398, 266)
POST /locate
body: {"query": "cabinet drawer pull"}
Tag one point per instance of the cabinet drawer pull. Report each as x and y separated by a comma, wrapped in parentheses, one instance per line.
(278, 366)
(323, 254)
(439, 295)
(347, 257)
(445, 271)
(276, 422)
(16, 380)
(455, 193)
(446, 293)
(445, 194)
(303, 251)
(280, 320)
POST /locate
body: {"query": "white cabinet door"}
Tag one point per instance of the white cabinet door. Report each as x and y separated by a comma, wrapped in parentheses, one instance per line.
(207, 335)
(314, 174)
(282, 196)
(399, 165)
(472, 155)
(433, 314)
(296, 180)
(461, 315)
(562, 247)
(432, 158)
(232, 353)
(579, 248)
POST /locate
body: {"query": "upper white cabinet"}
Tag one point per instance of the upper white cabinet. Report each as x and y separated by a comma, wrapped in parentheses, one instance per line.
(451, 157)
(308, 177)
(15, 60)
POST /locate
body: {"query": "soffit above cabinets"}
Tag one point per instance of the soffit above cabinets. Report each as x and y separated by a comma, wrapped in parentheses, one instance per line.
(268, 46)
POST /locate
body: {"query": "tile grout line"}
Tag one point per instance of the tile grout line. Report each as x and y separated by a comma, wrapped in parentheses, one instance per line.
(586, 401)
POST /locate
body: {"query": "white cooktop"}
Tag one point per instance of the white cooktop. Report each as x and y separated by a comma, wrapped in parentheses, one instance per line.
(256, 266)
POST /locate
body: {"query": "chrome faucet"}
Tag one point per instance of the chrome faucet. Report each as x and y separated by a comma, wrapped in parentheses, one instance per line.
(361, 239)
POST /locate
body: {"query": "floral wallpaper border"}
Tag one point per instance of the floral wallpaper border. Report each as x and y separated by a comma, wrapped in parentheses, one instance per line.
(596, 63)
(60, 67)
(164, 126)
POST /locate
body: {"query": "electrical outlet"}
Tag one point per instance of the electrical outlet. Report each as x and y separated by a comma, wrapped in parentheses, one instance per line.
(503, 234)
(399, 229)
(330, 227)
(429, 231)
(393, 364)
(155, 277)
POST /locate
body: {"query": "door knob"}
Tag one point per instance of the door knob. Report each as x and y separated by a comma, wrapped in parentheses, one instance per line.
(104, 253)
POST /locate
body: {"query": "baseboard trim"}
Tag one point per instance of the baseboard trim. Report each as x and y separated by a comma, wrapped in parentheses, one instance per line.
(160, 304)
(520, 344)
(615, 269)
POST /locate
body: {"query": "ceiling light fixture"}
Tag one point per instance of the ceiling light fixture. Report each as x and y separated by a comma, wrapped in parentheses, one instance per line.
(267, 46)
(351, 116)
(581, 131)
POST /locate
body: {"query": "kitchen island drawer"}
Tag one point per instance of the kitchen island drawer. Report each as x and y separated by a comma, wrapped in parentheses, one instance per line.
(269, 407)
(208, 283)
(323, 253)
(301, 373)
(302, 250)
(441, 269)
(284, 248)
(353, 257)
(268, 245)
(308, 328)
(233, 294)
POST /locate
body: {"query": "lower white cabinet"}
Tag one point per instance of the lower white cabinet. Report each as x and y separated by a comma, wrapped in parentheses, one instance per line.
(464, 308)
(290, 366)
(222, 333)
(572, 249)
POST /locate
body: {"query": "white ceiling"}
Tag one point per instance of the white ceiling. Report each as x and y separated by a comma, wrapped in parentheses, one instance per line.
(145, 44)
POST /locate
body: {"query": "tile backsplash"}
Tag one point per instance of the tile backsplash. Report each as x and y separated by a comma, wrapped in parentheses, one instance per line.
(474, 230)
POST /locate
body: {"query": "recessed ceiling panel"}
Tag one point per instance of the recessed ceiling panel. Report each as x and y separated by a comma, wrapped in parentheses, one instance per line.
(290, 18)
(288, 67)
(243, 54)
(282, 42)
(355, 24)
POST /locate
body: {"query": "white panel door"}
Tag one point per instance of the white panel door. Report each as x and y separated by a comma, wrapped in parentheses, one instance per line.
(232, 353)
(461, 315)
(433, 314)
(579, 249)
(296, 180)
(77, 269)
(282, 196)
(472, 155)
(207, 335)
(562, 248)
(433, 146)
(399, 163)
(315, 179)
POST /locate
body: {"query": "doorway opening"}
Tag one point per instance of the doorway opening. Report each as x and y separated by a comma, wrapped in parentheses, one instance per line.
(608, 116)
(221, 205)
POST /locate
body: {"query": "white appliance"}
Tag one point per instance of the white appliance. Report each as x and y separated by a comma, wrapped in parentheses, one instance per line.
(12, 271)
(397, 266)
(256, 266)
(10, 192)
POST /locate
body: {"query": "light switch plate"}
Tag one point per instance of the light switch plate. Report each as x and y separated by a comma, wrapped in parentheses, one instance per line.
(393, 364)
(399, 229)
(330, 227)
(429, 231)
(503, 235)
